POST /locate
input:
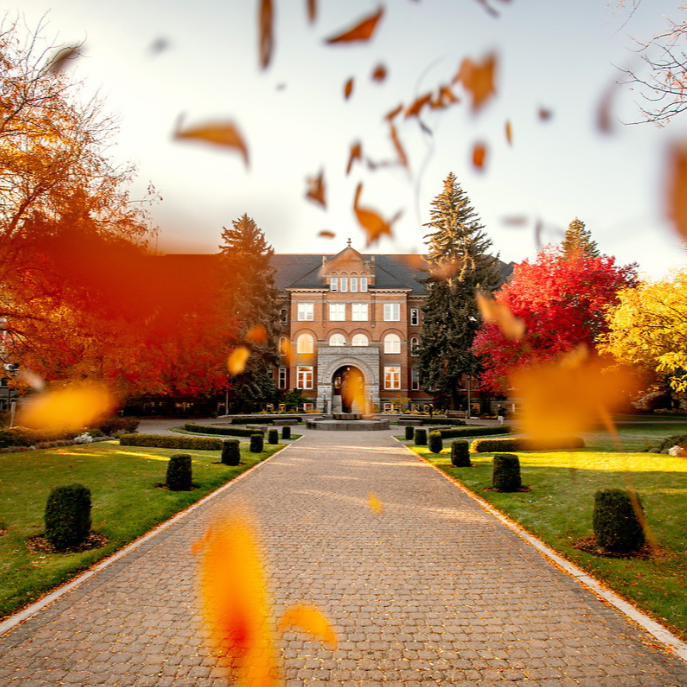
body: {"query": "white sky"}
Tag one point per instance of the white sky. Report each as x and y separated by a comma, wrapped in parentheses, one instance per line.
(552, 53)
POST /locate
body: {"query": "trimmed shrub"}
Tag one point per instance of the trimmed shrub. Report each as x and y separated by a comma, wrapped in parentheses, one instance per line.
(492, 445)
(164, 441)
(261, 419)
(410, 432)
(286, 432)
(460, 454)
(435, 443)
(473, 431)
(257, 442)
(616, 525)
(442, 421)
(506, 474)
(231, 453)
(273, 436)
(68, 515)
(23, 436)
(229, 431)
(179, 472)
(112, 425)
(420, 437)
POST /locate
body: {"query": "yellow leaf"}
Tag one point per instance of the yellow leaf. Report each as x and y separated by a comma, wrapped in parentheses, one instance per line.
(509, 133)
(376, 506)
(238, 358)
(500, 314)
(224, 134)
(311, 620)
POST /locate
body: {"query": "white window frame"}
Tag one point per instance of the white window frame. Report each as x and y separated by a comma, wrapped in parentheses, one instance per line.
(304, 375)
(337, 312)
(392, 377)
(337, 334)
(363, 284)
(333, 284)
(388, 407)
(363, 314)
(414, 317)
(392, 312)
(304, 337)
(343, 283)
(284, 316)
(356, 336)
(392, 343)
(282, 378)
(306, 312)
(354, 284)
(414, 346)
(415, 378)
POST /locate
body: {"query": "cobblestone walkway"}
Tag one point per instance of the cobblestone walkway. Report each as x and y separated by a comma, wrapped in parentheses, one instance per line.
(432, 591)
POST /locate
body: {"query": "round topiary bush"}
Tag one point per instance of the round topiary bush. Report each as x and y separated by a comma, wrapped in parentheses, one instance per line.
(68, 515)
(420, 437)
(257, 442)
(273, 436)
(506, 475)
(460, 454)
(410, 432)
(286, 432)
(179, 472)
(435, 443)
(231, 453)
(617, 526)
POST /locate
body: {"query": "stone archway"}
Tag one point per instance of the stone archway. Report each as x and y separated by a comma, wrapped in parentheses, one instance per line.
(331, 359)
(348, 390)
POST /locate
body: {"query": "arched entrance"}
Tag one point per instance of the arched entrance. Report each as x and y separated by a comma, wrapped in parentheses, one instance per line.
(348, 388)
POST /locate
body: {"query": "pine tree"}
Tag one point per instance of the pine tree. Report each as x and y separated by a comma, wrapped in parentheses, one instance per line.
(251, 297)
(578, 239)
(462, 265)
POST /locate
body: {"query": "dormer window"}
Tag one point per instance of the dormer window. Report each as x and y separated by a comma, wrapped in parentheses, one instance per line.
(333, 284)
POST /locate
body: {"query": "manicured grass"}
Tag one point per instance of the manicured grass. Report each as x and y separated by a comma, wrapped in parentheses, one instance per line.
(558, 510)
(126, 504)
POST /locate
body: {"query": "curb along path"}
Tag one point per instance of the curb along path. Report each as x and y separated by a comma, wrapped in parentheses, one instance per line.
(434, 590)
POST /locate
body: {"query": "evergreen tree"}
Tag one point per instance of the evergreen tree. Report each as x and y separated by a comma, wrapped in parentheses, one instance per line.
(578, 239)
(461, 266)
(251, 297)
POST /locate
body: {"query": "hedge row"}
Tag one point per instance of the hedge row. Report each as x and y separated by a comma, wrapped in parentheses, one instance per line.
(229, 431)
(473, 431)
(22, 436)
(442, 421)
(261, 419)
(521, 444)
(163, 441)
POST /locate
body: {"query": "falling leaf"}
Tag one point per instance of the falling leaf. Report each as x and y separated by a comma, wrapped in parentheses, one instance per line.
(31, 379)
(402, 157)
(257, 334)
(224, 134)
(70, 408)
(394, 113)
(499, 313)
(360, 32)
(414, 261)
(379, 73)
(478, 79)
(235, 604)
(509, 133)
(414, 109)
(316, 189)
(545, 114)
(58, 62)
(312, 11)
(312, 620)
(604, 117)
(479, 155)
(446, 270)
(238, 358)
(348, 88)
(373, 224)
(515, 220)
(326, 234)
(376, 506)
(444, 98)
(355, 154)
(158, 45)
(353, 390)
(676, 199)
(266, 39)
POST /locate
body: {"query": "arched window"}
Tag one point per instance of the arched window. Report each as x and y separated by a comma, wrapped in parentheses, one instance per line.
(415, 346)
(337, 340)
(305, 344)
(283, 346)
(392, 343)
(360, 340)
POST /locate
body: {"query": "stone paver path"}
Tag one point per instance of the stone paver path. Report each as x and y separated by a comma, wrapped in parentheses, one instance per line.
(432, 591)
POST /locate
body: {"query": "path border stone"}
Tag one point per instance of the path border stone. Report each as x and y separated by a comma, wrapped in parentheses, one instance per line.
(662, 634)
(20, 617)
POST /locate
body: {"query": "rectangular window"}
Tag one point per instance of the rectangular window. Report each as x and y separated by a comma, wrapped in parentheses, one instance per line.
(304, 377)
(414, 379)
(363, 284)
(392, 377)
(283, 316)
(354, 283)
(359, 312)
(392, 312)
(337, 312)
(414, 317)
(306, 311)
(282, 378)
(388, 407)
(344, 283)
(333, 284)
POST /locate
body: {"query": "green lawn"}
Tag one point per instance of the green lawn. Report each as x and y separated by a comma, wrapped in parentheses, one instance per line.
(558, 510)
(126, 504)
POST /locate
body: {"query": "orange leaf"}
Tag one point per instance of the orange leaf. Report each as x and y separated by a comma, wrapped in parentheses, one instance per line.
(676, 198)
(266, 38)
(414, 261)
(416, 106)
(312, 11)
(379, 73)
(500, 314)
(238, 358)
(353, 390)
(479, 155)
(402, 157)
(509, 133)
(312, 620)
(478, 79)
(71, 408)
(348, 88)
(394, 113)
(355, 154)
(317, 190)
(376, 506)
(326, 234)
(224, 134)
(360, 32)
(235, 605)
(373, 224)
(257, 334)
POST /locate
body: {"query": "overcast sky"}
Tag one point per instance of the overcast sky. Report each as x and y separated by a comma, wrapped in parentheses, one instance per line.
(554, 54)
